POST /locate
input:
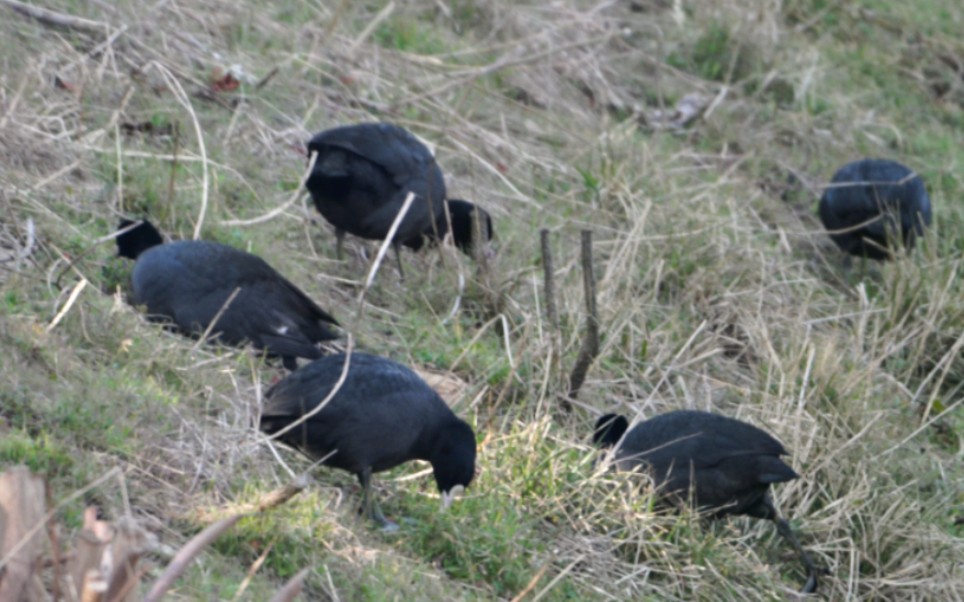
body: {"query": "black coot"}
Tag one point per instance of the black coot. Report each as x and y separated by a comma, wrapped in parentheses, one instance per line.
(362, 175)
(382, 416)
(187, 283)
(722, 465)
(872, 202)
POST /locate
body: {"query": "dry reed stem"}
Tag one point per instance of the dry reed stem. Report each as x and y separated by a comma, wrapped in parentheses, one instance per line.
(49, 17)
(207, 331)
(74, 293)
(268, 501)
(345, 366)
(252, 571)
(532, 583)
(186, 555)
(549, 286)
(292, 588)
(295, 195)
(383, 248)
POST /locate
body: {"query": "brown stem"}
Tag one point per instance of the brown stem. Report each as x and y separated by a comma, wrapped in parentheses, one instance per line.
(292, 588)
(590, 342)
(186, 555)
(550, 284)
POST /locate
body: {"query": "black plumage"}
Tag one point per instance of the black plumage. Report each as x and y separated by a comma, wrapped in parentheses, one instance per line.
(719, 464)
(187, 283)
(362, 176)
(462, 215)
(872, 203)
(383, 415)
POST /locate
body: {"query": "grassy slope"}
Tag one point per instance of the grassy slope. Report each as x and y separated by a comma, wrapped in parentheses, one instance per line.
(715, 292)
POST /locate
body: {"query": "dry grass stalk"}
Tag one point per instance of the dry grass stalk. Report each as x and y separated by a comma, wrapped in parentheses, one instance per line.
(292, 588)
(532, 583)
(324, 402)
(280, 209)
(270, 500)
(382, 249)
(186, 555)
(214, 321)
(549, 280)
(71, 299)
(49, 17)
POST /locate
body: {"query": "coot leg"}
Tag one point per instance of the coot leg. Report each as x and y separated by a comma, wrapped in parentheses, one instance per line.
(370, 507)
(783, 528)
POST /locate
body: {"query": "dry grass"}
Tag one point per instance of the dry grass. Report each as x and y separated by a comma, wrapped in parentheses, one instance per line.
(717, 289)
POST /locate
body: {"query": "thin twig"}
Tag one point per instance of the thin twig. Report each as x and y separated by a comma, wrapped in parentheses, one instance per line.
(590, 342)
(185, 100)
(267, 78)
(295, 194)
(558, 577)
(173, 177)
(111, 125)
(292, 588)
(478, 242)
(224, 307)
(29, 243)
(49, 17)
(252, 571)
(70, 302)
(187, 554)
(549, 279)
(331, 395)
(552, 314)
(74, 261)
(371, 27)
(535, 579)
(409, 199)
(333, 23)
(458, 298)
(279, 496)
(270, 500)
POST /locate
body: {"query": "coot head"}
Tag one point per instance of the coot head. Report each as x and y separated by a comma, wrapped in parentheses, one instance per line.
(138, 239)
(609, 430)
(453, 460)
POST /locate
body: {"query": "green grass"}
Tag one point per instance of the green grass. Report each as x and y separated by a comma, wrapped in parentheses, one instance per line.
(716, 290)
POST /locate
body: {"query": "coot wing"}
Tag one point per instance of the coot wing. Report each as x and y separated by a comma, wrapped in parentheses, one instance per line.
(394, 149)
(190, 282)
(699, 439)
